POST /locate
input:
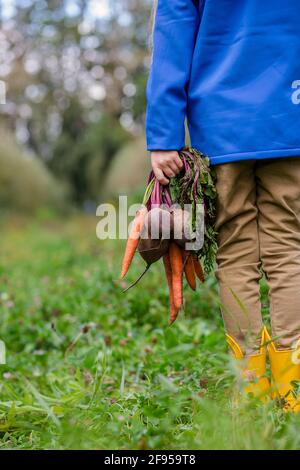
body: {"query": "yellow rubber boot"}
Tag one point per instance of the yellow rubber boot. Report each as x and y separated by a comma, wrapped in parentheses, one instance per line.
(253, 368)
(285, 369)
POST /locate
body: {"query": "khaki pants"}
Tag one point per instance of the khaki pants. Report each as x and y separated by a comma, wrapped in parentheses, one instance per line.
(258, 220)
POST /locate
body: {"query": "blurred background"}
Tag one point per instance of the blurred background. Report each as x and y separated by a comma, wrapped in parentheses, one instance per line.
(72, 128)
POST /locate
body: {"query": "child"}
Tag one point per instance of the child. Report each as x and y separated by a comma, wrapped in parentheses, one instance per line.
(232, 69)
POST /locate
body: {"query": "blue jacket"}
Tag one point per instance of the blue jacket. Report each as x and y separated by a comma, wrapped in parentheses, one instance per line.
(232, 68)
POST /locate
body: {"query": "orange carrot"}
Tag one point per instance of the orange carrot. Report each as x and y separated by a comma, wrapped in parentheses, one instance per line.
(189, 270)
(198, 269)
(168, 271)
(133, 240)
(177, 272)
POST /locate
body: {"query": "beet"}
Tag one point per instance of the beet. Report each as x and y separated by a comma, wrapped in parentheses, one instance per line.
(152, 250)
(182, 227)
(158, 224)
(155, 236)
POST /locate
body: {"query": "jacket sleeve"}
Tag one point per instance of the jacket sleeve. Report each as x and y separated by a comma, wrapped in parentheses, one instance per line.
(175, 30)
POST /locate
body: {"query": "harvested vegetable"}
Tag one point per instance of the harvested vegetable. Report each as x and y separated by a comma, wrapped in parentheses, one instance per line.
(155, 236)
(198, 269)
(152, 250)
(133, 240)
(157, 224)
(189, 270)
(168, 271)
(176, 261)
(176, 224)
(196, 188)
(182, 226)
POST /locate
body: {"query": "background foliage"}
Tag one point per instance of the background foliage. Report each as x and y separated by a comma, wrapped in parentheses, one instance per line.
(89, 367)
(76, 74)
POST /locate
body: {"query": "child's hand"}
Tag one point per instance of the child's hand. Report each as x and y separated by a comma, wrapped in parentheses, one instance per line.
(165, 164)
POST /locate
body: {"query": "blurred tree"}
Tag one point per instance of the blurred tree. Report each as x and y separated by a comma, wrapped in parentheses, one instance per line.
(26, 185)
(82, 154)
(73, 66)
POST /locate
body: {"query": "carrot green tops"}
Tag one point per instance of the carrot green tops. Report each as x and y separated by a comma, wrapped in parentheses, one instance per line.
(232, 68)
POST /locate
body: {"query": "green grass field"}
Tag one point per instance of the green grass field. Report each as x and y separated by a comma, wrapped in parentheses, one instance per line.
(89, 367)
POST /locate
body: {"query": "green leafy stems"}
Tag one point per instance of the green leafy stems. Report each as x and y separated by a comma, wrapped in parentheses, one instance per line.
(193, 186)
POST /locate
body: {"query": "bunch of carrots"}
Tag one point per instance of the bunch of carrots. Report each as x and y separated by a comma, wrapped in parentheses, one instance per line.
(176, 262)
(162, 216)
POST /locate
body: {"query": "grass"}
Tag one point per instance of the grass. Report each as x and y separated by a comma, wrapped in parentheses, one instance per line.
(89, 367)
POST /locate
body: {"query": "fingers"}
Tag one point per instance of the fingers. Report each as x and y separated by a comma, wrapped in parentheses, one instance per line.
(173, 162)
(174, 168)
(178, 162)
(160, 176)
(169, 171)
(165, 164)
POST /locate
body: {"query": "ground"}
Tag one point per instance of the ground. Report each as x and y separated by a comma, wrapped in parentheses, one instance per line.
(89, 367)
